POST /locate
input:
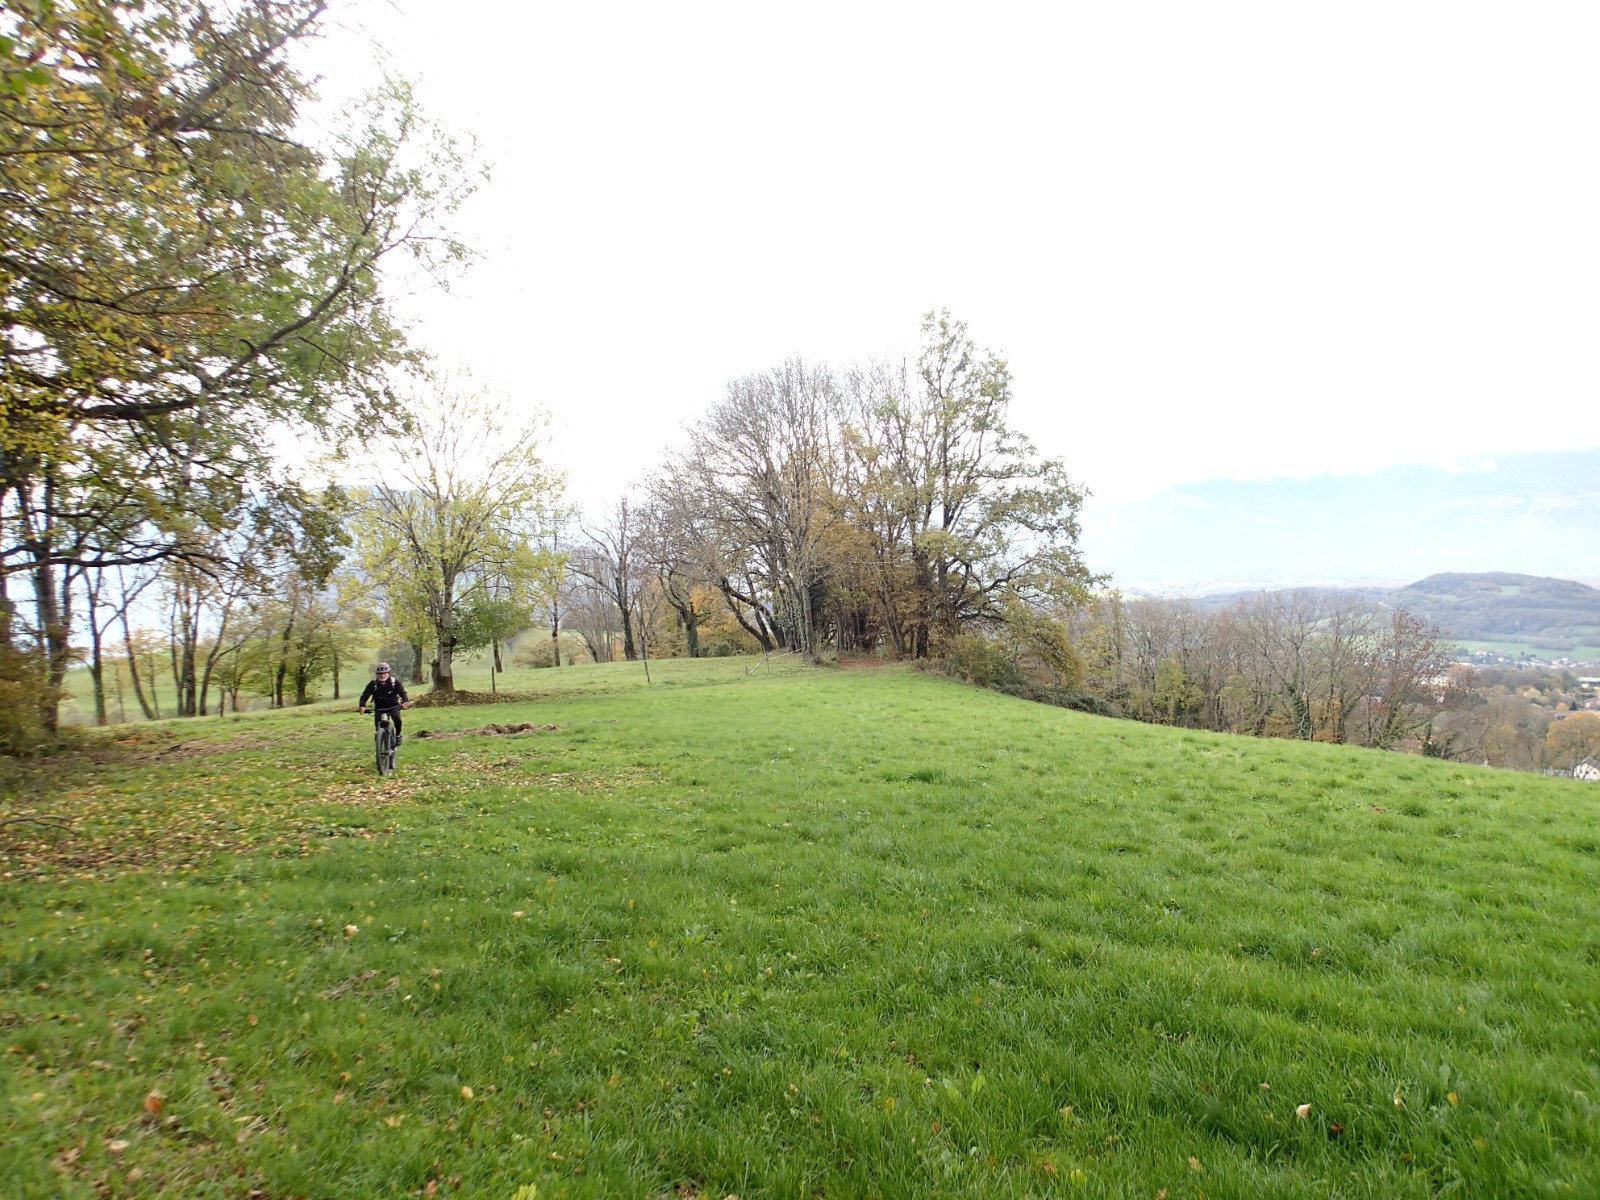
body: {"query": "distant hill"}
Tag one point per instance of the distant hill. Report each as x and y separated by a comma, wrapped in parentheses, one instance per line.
(1545, 614)
(1494, 606)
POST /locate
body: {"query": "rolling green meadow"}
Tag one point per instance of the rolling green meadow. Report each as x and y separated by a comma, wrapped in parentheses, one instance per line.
(791, 933)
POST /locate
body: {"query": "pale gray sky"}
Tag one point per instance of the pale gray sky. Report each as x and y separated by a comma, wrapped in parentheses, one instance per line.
(1214, 240)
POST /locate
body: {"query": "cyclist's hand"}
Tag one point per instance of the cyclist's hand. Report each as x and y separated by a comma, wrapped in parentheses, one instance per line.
(407, 704)
(362, 710)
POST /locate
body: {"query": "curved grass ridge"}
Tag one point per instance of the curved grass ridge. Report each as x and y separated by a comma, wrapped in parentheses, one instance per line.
(839, 934)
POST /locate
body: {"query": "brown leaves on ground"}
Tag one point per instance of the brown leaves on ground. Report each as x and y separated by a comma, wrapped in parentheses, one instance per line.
(860, 662)
(453, 699)
(523, 727)
(150, 799)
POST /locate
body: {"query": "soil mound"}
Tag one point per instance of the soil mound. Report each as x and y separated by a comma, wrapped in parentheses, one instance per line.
(452, 699)
(522, 727)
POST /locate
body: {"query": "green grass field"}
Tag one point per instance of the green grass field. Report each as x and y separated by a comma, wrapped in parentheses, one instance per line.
(792, 934)
(1576, 652)
(77, 707)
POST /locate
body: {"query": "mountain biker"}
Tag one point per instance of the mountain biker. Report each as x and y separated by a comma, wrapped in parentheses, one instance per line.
(385, 692)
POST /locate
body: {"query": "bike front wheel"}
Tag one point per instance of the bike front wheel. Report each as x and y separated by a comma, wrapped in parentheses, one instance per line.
(385, 752)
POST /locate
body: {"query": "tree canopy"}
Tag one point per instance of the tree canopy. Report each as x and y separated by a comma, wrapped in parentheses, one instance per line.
(183, 276)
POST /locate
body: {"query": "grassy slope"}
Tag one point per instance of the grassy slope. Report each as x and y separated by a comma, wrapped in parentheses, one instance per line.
(812, 934)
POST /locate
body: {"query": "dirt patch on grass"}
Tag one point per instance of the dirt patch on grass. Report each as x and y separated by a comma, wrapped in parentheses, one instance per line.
(459, 698)
(861, 662)
(488, 730)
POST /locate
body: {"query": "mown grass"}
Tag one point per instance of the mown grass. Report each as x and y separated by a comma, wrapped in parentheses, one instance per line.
(472, 673)
(798, 934)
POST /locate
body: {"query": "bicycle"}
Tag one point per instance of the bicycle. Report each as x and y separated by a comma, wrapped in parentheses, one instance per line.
(385, 747)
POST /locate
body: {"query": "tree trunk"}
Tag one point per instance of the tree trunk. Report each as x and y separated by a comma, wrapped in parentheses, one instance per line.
(53, 629)
(133, 669)
(283, 661)
(96, 658)
(555, 643)
(416, 663)
(629, 650)
(444, 679)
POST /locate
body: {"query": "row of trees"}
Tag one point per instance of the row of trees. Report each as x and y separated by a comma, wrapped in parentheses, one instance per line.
(872, 508)
(1299, 664)
(185, 282)
(810, 509)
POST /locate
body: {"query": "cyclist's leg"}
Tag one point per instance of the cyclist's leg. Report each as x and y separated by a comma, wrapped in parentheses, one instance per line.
(395, 717)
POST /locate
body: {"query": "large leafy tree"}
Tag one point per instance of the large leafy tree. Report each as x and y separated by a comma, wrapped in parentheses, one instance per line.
(456, 520)
(182, 277)
(966, 519)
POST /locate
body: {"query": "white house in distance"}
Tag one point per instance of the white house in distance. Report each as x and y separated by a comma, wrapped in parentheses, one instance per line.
(1589, 769)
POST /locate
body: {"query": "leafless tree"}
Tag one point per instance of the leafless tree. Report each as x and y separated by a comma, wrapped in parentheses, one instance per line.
(763, 461)
(613, 565)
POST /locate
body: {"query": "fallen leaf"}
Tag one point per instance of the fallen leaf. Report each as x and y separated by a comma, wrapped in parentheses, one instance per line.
(1454, 1099)
(1194, 1164)
(117, 1145)
(1302, 1111)
(351, 930)
(153, 1101)
(466, 1093)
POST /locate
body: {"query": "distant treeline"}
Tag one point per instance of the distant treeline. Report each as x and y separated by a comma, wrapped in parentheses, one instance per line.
(1304, 664)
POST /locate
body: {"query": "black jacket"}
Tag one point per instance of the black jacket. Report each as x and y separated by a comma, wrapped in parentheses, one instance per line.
(390, 693)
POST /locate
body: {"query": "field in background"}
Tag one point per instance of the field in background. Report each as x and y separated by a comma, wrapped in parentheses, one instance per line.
(1582, 654)
(472, 674)
(793, 933)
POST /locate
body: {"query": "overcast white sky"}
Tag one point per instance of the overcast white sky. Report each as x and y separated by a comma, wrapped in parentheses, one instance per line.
(1213, 239)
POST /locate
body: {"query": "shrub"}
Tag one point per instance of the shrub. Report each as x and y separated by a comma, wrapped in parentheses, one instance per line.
(1065, 698)
(27, 702)
(535, 650)
(533, 653)
(978, 660)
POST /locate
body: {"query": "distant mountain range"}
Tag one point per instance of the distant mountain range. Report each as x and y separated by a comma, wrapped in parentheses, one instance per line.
(1538, 514)
(1553, 616)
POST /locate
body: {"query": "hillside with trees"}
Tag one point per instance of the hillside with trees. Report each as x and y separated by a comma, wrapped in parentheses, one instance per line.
(1548, 614)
